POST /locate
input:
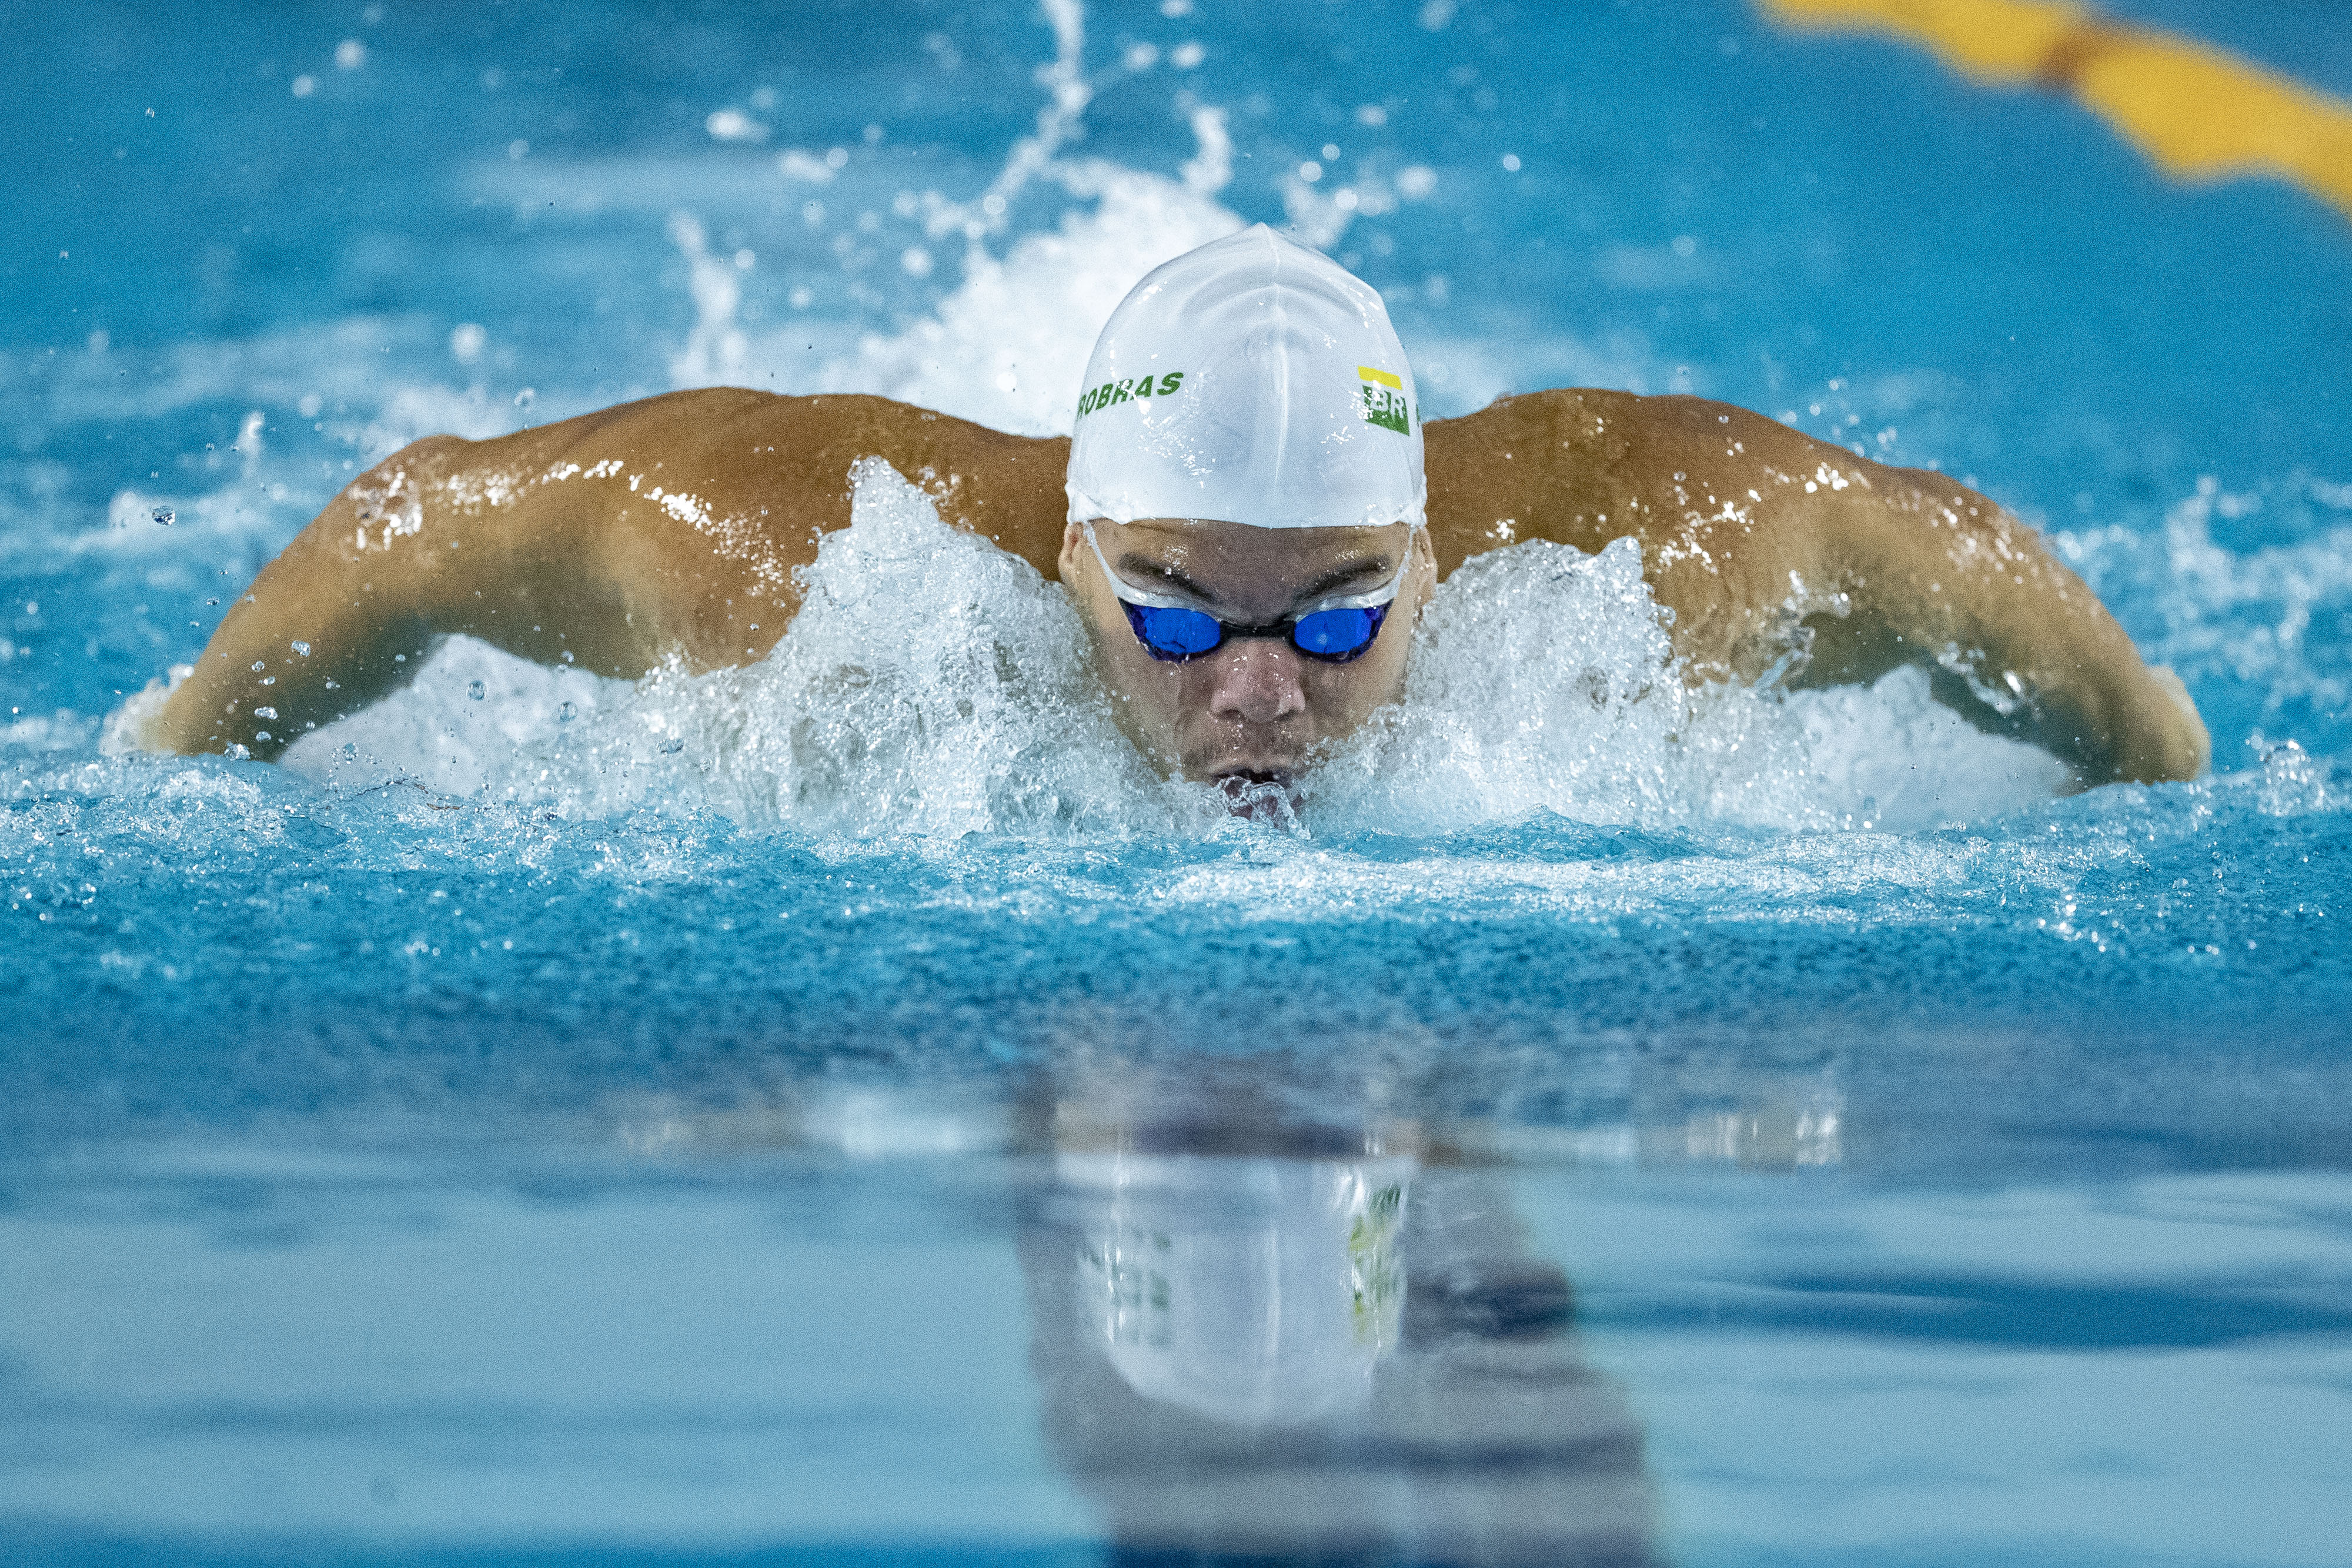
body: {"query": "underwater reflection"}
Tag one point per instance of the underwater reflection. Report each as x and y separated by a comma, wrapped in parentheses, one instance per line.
(1262, 1341)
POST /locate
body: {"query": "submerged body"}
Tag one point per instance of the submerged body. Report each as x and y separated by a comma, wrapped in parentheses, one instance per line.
(672, 528)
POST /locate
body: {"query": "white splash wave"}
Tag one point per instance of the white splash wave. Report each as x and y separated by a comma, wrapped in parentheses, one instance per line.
(934, 686)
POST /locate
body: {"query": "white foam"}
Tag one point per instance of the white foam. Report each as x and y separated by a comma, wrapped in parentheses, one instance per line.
(1543, 681)
(2259, 618)
(1009, 347)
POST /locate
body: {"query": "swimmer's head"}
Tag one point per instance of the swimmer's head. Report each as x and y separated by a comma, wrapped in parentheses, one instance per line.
(1251, 381)
(1247, 502)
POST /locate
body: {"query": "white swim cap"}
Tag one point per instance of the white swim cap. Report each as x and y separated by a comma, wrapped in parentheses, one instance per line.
(1252, 381)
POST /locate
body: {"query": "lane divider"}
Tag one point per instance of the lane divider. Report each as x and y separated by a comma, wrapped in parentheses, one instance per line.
(2199, 114)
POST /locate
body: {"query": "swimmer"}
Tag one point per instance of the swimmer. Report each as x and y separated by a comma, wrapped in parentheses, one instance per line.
(1241, 519)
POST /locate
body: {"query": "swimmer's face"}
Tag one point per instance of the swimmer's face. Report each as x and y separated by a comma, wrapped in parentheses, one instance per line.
(1255, 709)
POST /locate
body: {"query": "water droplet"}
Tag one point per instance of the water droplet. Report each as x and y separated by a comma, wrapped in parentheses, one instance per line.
(476, 690)
(301, 648)
(672, 746)
(566, 713)
(164, 515)
(350, 751)
(260, 664)
(265, 713)
(261, 734)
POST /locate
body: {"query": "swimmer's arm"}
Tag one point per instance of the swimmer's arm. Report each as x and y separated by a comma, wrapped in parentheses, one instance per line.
(1761, 541)
(1838, 569)
(665, 529)
(347, 612)
(1939, 576)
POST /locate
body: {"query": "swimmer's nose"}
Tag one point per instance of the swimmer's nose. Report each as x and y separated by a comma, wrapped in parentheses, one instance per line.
(1256, 681)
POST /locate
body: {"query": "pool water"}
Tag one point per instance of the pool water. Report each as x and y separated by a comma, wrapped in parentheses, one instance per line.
(850, 1110)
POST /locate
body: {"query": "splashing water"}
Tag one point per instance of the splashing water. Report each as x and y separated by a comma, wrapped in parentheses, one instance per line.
(933, 685)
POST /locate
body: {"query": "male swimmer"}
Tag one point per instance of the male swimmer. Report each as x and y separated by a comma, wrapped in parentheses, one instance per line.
(1241, 519)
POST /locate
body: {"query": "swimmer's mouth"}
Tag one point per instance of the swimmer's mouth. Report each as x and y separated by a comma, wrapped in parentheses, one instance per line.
(1258, 794)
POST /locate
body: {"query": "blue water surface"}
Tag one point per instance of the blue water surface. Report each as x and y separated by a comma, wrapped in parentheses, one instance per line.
(395, 1173)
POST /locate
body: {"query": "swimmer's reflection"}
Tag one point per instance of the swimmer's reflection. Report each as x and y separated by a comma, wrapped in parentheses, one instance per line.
(1315, 1346)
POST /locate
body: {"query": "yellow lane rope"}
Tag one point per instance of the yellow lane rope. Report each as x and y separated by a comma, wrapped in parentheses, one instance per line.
(2198, 114)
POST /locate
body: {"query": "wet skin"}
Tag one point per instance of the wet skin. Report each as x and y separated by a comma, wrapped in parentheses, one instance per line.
(671, 529)
(1254, 709)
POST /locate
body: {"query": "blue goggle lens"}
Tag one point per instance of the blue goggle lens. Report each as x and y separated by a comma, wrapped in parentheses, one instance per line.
(1335, 633)
(1174, 634)
(1332, 635)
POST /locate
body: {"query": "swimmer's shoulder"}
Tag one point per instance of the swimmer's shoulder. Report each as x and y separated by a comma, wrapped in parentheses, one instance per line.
(699, 420)
(743, 464)
(1551, 465)
(1583, 466)
(735, 445)
(1599, 448)
(1601, 426)
(1004, 487)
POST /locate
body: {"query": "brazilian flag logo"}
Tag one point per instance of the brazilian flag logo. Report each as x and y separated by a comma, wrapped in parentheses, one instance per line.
(1384, 402)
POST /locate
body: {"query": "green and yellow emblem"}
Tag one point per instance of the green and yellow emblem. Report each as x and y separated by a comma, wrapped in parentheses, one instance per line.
(1384, 400)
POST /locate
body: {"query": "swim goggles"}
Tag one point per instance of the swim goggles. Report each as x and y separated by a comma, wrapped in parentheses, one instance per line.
(1335, 631)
